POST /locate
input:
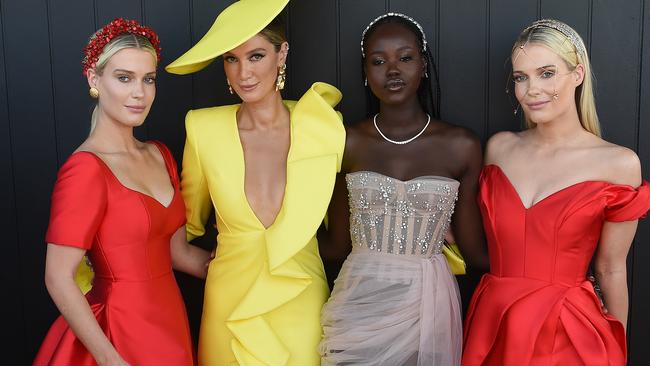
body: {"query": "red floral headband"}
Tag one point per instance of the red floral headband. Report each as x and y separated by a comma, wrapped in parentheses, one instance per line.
(117, 27)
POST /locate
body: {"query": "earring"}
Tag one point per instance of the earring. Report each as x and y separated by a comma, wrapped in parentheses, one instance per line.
(426, 75)
(229, 87)
(93, 92)
(516, 110)
(365, 82)
(282, 77)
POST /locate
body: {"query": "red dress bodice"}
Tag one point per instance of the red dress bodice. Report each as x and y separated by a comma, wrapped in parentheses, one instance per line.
(536, 307)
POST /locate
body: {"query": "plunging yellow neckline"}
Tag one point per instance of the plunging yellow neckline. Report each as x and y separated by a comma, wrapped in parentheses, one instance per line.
(242, 175)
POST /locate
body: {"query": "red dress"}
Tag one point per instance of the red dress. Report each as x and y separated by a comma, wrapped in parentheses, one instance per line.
(127, 234)
(535, 307)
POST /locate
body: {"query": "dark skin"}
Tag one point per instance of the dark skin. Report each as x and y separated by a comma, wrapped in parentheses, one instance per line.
(395, 67)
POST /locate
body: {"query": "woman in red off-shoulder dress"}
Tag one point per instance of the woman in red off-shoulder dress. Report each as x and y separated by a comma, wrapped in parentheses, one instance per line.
(553, 197)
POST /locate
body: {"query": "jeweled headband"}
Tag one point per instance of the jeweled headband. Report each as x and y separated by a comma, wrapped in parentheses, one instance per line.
(567, 31)
(117, 27)
(404, 16)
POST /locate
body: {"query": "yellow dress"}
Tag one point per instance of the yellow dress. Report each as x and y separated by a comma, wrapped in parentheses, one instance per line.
(266, 287)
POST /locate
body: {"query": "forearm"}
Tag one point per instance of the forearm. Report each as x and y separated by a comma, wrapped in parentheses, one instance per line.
(79, 316)
(191, 260)
(615, 293)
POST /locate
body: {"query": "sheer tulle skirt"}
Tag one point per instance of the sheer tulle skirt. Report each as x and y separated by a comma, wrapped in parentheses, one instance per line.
(389, 309)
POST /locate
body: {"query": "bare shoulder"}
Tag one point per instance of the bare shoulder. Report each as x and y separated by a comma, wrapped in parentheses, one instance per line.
(356, 140)
(462, 140)
(499, 145)
(622, 164)
(357, 133)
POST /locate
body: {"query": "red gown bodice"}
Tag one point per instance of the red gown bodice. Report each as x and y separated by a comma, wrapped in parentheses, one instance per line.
(536, 307)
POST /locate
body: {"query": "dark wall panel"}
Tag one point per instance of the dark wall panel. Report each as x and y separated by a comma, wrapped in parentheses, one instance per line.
(616, 31)
(577, 13)
(33, 143)
(506, 19)
(639, 321)
(354, 16)
(72, 104)
(12, 305)
(463, 80)
(312, 58)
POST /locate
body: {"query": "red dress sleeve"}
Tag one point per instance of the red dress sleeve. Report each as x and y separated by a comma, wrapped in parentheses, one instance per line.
(625, 203)
(78, 202)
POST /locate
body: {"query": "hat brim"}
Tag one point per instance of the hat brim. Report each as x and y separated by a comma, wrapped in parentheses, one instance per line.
(235, 25)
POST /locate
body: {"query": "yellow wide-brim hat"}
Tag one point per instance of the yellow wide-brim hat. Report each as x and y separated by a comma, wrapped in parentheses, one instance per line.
(235, 25)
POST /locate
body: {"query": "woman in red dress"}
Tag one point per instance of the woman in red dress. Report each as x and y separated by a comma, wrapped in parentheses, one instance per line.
(118, 199)
(553, 197)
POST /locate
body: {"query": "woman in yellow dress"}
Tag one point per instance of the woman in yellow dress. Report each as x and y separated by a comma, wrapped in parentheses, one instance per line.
(267, 166)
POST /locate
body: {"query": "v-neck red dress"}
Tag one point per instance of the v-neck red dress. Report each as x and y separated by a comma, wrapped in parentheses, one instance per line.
(536, 307)
(127, 235)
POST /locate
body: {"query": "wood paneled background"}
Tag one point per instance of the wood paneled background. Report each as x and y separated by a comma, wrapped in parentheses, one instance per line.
(45, 108)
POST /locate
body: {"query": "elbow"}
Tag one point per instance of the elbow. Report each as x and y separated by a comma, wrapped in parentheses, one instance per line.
(53, 282)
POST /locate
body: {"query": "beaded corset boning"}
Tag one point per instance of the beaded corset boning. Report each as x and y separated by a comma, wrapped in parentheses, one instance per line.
(407, 218)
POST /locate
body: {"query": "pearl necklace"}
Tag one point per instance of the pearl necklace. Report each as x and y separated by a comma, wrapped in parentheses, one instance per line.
(374, 120)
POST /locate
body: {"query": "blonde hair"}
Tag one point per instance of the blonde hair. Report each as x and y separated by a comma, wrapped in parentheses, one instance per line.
(570, 47)
(120, 42)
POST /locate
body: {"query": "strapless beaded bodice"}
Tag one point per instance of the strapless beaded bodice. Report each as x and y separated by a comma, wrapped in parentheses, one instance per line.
(388, 215)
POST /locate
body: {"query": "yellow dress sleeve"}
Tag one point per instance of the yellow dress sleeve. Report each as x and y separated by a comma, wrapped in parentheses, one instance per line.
(194, 186)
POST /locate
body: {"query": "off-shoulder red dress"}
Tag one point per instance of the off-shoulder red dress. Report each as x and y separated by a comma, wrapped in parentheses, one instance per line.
(127, 235)
(535, 307)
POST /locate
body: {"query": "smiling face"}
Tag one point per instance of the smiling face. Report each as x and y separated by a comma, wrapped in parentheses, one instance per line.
(127, 86)
(544, 85)
(393, 64)
(252, 68)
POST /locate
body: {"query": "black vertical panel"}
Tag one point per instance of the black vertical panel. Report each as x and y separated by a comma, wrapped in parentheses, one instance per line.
(12, 306)
(210, 86)
(313, 45)
(33, 143)
(506, 20)
(172, 21)
(615, 32)
(463, 77)
(576, 13)
(72, 103)
(463, 63)
(105, 12)
(639, 320)
(354, 16)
